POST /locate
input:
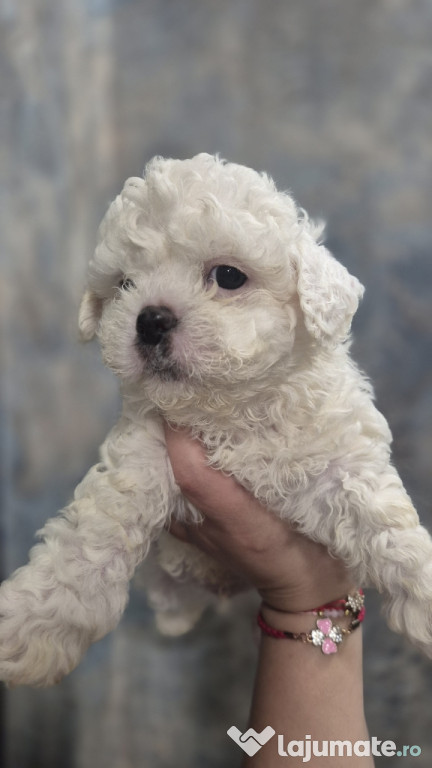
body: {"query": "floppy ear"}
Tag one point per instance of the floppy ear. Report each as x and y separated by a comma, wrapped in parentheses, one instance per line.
(89, 315)
(328, 294)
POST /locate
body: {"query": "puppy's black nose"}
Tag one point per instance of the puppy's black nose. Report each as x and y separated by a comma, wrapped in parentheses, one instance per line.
(153, 323)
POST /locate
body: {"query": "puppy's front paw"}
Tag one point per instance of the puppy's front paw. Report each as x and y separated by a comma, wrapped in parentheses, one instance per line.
(43, 635)
(35, 649)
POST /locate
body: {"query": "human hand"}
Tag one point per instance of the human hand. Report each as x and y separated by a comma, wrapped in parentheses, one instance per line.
(290, 572)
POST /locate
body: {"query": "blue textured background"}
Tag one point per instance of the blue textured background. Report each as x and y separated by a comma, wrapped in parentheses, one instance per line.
(334, 100)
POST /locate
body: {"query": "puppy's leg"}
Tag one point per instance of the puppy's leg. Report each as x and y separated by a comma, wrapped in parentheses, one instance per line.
(181, 582)
(375, 530)
(75, 587)
(400, 566)
(184, 583)
(178, 603)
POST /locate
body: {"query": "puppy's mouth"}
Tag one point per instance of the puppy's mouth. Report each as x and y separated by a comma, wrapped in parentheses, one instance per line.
(158, 360)
(154, 326)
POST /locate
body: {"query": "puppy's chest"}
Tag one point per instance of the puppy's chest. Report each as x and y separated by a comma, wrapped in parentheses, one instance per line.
(262, 457)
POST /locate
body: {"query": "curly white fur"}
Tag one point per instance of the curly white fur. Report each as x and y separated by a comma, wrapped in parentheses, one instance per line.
(260, 373)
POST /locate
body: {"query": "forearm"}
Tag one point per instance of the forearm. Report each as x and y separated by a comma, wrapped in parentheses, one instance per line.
(299, 691)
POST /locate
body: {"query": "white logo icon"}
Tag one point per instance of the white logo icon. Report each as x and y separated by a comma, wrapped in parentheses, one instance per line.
(251, 741)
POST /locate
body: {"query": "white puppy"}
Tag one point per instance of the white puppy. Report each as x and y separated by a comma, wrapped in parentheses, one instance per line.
(220, 311)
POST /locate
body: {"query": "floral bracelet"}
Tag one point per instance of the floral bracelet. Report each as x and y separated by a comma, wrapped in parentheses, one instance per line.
(325, 635)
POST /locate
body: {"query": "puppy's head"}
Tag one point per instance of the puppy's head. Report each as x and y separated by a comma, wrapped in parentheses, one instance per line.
(206, 277)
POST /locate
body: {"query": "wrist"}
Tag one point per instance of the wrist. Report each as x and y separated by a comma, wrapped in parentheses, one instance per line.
(334, 621)
(299, 601)
(286, 621)
(298, 621)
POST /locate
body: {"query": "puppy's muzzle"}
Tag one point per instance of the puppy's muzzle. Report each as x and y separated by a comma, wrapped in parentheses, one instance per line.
(154, 323)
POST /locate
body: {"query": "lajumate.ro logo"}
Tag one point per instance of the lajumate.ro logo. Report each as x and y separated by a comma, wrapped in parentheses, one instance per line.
(251, 742)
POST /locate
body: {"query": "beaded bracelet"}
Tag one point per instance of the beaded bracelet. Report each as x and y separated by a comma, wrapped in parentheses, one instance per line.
(326, 635)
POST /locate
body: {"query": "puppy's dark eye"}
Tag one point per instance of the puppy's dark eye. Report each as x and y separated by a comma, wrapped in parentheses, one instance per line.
(228, 277)
(126, 284)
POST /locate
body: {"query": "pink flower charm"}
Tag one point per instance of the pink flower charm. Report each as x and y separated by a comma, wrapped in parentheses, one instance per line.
(328, 646)
(327, 636)
(324, 625)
